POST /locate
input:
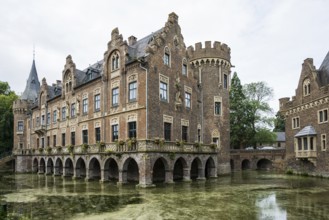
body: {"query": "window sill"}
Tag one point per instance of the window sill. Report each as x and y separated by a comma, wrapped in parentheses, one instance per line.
(132, 100)
(115, 105)
(323, 122)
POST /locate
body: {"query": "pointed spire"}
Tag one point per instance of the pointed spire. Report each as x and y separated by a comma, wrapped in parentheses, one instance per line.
(32, 87)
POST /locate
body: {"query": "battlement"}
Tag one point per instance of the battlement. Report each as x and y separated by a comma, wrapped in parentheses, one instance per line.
(21, 106)
(217, 50)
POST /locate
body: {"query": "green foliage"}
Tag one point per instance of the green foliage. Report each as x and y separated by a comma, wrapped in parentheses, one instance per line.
(265, 136)
(7, 97)
(279, 123)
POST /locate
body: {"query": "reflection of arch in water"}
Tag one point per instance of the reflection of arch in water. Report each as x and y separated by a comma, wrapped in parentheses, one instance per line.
(159, 170)
(94, 169)
(80, 168)
(210, 168)
(58, 167)
(179, 167)
(35, 166)
(111, 170)
(131, 168)
(50, 166)
(264, 164)
(68, 167)
(196, 168)
(245, 165)
(42, 166)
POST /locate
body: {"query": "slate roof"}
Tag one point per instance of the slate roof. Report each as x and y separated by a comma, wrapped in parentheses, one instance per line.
(280, 136)
(306, 131)
(32, 85)
(323, 71)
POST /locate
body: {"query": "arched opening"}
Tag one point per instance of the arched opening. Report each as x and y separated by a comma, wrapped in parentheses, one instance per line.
(50, 166)
(58, 167)
(210, 168)
(159, 171)
(179, 166)
(264, 164)
(68, 167)
(111, 170)
(232, 164)
(80, 168)
(42, 166)
(130, 167)
(94, 169)
(245, 165)
(196, 168)
(35, 166)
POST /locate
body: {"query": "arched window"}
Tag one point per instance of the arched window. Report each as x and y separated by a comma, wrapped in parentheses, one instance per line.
(115, 61)
(166, 56)
(306, 87)
(68, 81)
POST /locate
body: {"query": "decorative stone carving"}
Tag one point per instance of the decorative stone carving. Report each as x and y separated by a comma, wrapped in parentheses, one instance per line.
(131, 106)
(97, 124)
(132, 117)
(188, 89)
(184, 122)
(164, 78)
(114, 121)
(115, 83)
(72, 129)
(168, 119)
(132, 78)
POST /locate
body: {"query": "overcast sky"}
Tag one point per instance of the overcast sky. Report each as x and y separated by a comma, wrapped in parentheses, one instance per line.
(268, 39)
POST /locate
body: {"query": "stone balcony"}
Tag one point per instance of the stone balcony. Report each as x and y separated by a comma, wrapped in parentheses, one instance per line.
(41, 129)
(306, 154)
(141, 146)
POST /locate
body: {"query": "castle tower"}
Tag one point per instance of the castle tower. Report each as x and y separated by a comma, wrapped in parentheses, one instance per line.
(21, 110)
(212, 68)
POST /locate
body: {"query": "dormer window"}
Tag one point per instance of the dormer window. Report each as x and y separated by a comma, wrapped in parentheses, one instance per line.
(166, 57)
(307, 87)
(115, 61)
(89, 75)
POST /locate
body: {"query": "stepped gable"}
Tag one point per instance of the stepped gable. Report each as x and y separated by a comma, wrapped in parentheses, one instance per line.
(32, 85)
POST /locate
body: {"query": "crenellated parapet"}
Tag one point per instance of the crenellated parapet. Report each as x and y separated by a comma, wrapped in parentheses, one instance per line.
(217, 53)
(21, 106)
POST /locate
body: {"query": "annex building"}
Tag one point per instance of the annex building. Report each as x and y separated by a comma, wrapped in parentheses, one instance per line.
(306, 116)
(151, 110)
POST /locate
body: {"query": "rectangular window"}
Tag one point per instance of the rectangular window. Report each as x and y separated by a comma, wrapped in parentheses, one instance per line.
(73, 138)
(84, 106)
(54, 116)
(132, 129)
(63, 139)
(42, 142)
(299, 143)
(218, 108)
(115, 132)
(305, 143)
(48, 141)
(323, 142)
(167, 131)
(38, 145)
(85, 136)
(48, 118)
(187, 100)
(225, 81)
(115, 96)
(98, 134)
(54, 140)
(323, 116)
(43, 122)
(295, 122)
(132, 91)
(73, 110)
(163, 91)
(97, 102)
(63, 113)
(184, 133)
(199, 135)
(184, 69)
(166, 59)
(20, 126)
(311, 143)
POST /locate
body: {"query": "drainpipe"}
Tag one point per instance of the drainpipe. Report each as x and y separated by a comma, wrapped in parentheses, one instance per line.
(146, 95)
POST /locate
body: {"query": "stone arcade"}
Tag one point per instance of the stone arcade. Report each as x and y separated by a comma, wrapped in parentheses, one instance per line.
(150, 111)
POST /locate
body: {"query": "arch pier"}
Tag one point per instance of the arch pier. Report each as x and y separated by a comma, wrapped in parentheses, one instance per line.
(184, 163)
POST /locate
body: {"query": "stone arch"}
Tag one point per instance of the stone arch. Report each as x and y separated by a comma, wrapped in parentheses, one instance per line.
(114, 61)
(245, 164)
(80, 168)
(68, 167)
(35, 165)
(50, 166)
(264, 164)
(196, 168)
(94, 169)
(179, 166)
(130, 168)
(42, 166)
(159, 170)
(210, 168)
(58, 167)
(111, 169)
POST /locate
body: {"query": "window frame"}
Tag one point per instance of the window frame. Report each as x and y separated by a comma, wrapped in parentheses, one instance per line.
(63, 113)
(115, 132)
(63, 139)
(73, 138)
(85, 106)
(54, 116)
(132, 91)
(115, 96)
(166, 131)
(295, 122)
(73, 110)
(20, 126)
(163, 92)
(218, 108)
(132, 132)
(97, 102)
(97, 134)
(187, 100)
(323, 116)
(85, 136)
(184, 131)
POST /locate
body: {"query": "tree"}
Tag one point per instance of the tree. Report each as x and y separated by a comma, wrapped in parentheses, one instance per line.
(7, 97)
(239, 130)
(265, 136)
(279, 123)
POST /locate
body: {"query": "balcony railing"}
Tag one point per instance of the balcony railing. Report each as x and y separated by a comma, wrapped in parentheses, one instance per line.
(306, 154)
(138, 146)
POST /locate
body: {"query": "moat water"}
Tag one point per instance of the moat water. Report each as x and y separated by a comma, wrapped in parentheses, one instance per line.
(242, 195)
